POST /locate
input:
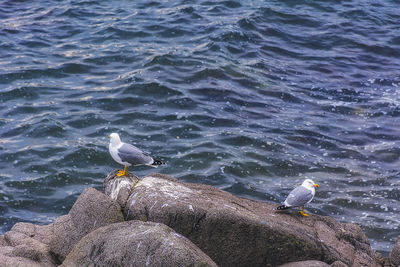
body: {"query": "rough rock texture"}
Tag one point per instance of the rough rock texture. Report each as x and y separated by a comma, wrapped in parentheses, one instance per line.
(230, 230)
(311, 263)
(91, 210)
(21, 247)
(394, 256)
(136, 243)
(27, 244)
(40, 233)
(251, 233)
(338, 264)
(3, 242)
(119, 189)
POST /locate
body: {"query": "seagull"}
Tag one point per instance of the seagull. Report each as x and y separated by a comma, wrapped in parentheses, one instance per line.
(128, 155)
(300, 196)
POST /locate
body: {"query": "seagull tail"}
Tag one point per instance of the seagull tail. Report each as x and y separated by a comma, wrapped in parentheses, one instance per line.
(282, 207)
(157, 162)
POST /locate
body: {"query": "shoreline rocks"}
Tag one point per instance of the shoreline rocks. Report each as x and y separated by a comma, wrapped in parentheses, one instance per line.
(160, 221)
(251, 232)
(394, 256)
(136, 242)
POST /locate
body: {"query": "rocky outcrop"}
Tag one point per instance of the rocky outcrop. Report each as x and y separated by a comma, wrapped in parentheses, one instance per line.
(32, 245)
(91, 211)
(251, 233)
(160, 221)
(311, 263)
(93, 233)
(394, 256)
(21, 247)
(136, 243)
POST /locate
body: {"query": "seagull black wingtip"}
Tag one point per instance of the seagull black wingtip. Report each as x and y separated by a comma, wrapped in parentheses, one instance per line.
(157, 162)
(282, 207)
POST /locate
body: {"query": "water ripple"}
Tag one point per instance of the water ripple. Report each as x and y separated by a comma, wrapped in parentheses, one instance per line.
(251, 97)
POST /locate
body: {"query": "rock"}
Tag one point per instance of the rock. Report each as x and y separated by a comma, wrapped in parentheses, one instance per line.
(91, 210)
(119, 188)
(311, 263)
(3, 241)
(41, 233)
(251, 233)
(19, 249)
(27, 244)
(7, 261)
(394, 256)
(136, 243)
(338, 264)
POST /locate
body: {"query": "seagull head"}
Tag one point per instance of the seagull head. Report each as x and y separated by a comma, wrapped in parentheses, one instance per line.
(308, 183)
(114, 139)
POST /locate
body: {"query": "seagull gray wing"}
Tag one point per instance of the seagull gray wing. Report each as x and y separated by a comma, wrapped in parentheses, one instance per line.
(299, 197)
(133, 155)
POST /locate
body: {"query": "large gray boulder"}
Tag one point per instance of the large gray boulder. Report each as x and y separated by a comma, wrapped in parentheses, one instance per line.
(136, 243)
(236, 231)
(91, 210)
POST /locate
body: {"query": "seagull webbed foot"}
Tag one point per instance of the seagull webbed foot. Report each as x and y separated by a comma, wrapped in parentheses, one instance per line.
(122, 173)
(303, 213)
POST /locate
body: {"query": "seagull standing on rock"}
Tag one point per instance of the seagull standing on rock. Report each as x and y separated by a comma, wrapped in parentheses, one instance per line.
(300, 196)
(129, 155)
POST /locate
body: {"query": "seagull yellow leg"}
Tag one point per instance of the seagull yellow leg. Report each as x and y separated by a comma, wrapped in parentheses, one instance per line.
(301, 211)
(122, 173)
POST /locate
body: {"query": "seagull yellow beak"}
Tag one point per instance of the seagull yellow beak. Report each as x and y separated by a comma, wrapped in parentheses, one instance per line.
(109, 137)
(315, 185)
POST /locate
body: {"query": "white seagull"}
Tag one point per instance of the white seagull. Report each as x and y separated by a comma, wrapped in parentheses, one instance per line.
(128, 155)
(300, 196)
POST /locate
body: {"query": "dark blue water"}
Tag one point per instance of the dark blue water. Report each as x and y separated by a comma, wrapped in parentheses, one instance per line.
(249, 96)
